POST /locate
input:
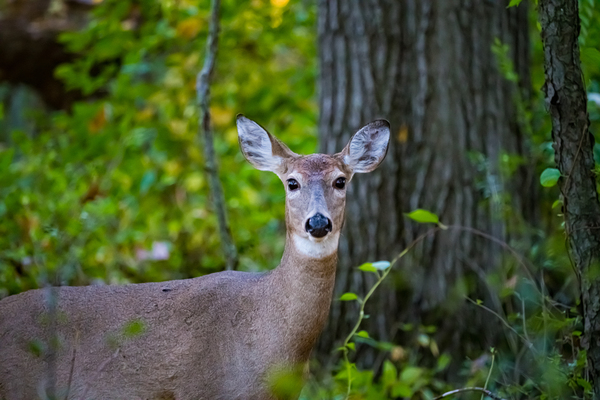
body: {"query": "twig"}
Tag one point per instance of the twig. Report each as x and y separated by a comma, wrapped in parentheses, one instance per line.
(98, 371)
(72, 364)
(499, 242)
(52, 356)
(203, 99)
(527, 342)
(470, 389)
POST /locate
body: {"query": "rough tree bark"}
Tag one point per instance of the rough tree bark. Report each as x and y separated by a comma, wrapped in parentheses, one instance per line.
(566, 100)
(428, 67)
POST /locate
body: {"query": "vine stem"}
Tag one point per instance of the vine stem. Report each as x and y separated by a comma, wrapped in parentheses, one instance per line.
(487, 380)
(361, 313)
(345, 348)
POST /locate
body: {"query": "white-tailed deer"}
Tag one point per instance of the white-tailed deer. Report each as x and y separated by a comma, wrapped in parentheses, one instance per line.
(218, 336)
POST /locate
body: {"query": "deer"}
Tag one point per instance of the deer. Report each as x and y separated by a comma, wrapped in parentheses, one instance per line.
(218, 336)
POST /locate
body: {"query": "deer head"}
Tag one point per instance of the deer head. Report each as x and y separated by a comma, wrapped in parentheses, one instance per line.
(315, 184)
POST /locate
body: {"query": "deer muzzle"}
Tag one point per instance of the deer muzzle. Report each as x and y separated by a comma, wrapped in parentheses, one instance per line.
(318, 225)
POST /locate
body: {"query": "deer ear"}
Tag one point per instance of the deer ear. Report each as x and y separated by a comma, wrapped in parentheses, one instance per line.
(264, 151)
(368, 147)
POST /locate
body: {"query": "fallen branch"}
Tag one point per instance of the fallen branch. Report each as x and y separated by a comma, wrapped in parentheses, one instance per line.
(470, 389)
(203, 98)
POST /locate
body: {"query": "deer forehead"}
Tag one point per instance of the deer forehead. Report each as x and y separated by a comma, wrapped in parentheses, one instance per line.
(317, 166)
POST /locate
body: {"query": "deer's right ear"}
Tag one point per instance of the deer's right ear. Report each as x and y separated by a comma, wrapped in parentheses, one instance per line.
(264, 151)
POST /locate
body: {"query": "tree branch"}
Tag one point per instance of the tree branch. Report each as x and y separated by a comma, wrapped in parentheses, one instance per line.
(470, 389)
(203, 98)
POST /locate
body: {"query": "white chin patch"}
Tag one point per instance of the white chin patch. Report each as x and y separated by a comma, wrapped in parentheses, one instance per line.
(317, 249)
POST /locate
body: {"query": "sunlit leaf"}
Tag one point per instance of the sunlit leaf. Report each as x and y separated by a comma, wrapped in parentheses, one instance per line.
(367, 267)
(363, 334)
(348, 297)
(423, 216)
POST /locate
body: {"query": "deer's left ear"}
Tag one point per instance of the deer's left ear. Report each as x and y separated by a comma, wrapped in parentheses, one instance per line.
(368, 147)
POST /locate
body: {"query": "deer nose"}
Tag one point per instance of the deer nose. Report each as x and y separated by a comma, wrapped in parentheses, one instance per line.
(318, 225)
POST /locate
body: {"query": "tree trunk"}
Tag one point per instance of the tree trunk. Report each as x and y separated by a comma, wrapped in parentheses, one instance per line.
(573, 143)
(30, 52)
(428, 67)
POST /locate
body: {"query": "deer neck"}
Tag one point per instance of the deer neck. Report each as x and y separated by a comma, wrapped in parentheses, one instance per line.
(303, 284)
(306, 264)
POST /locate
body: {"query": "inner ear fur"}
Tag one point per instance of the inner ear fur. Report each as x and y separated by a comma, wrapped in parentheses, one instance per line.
(263, 150)
(368, 147)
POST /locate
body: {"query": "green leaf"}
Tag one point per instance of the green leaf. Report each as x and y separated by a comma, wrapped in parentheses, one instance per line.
(351, 346)
(381, 265)
(410, 374)
(443, 362)
(549, 177)
(407, 327)
(367, 267)
(134, 328)
(363, 334)
(423, 340)
(590, 55)
(584, 384)
(390, 373)
(147, 181)
(401, 390)
(514, 3)
(348, 297)
(556, 203)
(423, 216)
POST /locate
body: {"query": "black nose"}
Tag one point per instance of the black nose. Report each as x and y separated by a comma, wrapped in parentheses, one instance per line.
(318, 225)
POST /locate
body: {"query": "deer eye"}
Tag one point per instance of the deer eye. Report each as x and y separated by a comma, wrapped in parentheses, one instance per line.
(340, 182)
(293, 184)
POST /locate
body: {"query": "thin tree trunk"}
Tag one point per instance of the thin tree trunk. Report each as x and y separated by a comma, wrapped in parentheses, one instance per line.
(428, 67)
(573, 143)
(203, 94)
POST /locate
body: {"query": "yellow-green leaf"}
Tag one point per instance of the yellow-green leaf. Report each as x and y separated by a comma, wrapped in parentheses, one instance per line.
(423, 216)
(348, 297)
(367, 267)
